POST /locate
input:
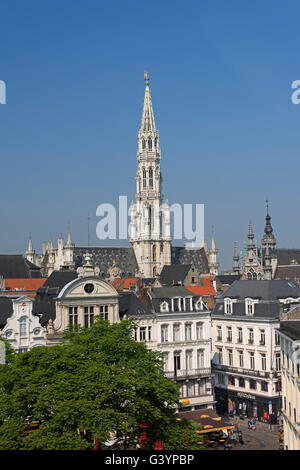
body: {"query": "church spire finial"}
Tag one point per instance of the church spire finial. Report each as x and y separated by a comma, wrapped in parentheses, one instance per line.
(146, 76)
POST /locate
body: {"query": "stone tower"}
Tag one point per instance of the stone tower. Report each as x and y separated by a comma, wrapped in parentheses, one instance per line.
(150, 218)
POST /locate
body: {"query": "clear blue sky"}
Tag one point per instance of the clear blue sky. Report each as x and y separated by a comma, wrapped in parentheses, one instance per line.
(221, 74)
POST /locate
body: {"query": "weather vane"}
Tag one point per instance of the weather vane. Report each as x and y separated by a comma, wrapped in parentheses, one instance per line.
(267, 203)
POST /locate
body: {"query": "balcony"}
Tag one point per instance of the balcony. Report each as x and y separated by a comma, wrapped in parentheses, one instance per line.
(181, 374)
(237, 370)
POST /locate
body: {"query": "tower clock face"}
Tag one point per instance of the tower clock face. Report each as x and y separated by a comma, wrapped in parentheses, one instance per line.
(89, 288)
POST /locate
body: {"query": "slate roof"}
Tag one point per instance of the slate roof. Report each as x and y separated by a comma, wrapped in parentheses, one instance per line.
(44, 304)
(290, 329)
(181, 255)
(16, 266)
(6, 310)
(268, 293)
(161, 294)
(131, 305)
(228, 279)
(265, 290)
(107, 257)
(286, 255)
(172, 275)
(288, 272)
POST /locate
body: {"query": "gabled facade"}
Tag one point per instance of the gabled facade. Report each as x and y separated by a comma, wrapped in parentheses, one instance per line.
(22, 329)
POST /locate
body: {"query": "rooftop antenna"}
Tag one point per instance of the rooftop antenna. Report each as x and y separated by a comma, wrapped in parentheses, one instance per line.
(88, 219)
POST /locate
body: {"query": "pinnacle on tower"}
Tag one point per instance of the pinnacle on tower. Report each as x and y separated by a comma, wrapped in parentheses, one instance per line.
(148, 122)
(236, 259)
(69, 238)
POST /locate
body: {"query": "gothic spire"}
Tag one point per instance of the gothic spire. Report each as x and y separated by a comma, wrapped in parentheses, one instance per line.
(69, 238)
(148, 122)
(236, 259)
(250, 236)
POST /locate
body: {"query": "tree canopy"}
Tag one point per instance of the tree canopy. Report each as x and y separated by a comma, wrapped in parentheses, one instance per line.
(100, 385)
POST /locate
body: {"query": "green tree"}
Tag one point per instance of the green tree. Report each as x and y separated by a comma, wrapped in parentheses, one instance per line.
(100, 384)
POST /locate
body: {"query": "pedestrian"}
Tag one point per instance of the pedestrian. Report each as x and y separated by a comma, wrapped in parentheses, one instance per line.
(241, 440)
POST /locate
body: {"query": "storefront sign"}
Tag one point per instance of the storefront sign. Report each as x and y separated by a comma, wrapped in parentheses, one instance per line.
(246, 395)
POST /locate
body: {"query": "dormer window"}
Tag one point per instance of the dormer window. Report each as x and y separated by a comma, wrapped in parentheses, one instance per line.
(164, 306)
(199, 305)
(228, 306)
(249, 306)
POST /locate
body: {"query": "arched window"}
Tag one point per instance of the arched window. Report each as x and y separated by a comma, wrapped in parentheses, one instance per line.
(155, 142)
(149, 144)
(150, 178)
(23, 326)
(143, 144)
(154, 253)
(144, 178)
(150, 217)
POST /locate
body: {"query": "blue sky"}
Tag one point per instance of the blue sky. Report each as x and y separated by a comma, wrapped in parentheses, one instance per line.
(220, 78)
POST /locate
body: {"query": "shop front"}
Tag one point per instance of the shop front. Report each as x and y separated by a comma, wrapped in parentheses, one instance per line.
(249, 405)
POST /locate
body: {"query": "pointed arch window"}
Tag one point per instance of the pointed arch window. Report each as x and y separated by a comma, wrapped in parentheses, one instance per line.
(144, 179)
(149, 144)
(154, 253)
(143, 144)
(150, 178)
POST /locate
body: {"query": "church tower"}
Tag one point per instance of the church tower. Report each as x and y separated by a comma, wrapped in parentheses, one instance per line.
(150, 218)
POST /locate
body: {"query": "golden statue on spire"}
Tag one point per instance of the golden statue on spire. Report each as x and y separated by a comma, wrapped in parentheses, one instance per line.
(146, 76)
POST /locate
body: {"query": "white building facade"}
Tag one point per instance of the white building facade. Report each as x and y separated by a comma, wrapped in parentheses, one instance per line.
(22, 329)
(289, 332)
(180, 329)
(246, 347)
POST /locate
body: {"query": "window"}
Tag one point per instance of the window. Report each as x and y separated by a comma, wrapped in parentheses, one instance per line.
(277, 339)
(73, 316)
(228, 306)
(190, 388)
(220, 355)
(23, 326)
(241, 382)
(230, 357)
(241, 359)
(189, 360)
(229, 334)
(240, 335)
(166, 361)
(188, 331)
(164, 333)
(220, 379)
(219, 333)
(277, 362)
(251, 336)
(176, 332)
(199, 330)
(262, 337)
(252, 362)
(252, 384)
(264, 386)
(263, 362)
(231, 380)
(200, 358)
(88, 316)
(150, 144)
(22, 350)
(249, 306)
(143, 333)
(150, 178)
(144, 179)
(103, 310)
(177, 362)
(149, 333)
